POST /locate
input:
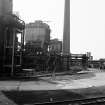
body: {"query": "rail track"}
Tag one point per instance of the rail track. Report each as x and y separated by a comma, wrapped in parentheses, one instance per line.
(89, 101)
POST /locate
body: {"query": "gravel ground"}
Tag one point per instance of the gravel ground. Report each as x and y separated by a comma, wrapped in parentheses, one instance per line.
(46, 89)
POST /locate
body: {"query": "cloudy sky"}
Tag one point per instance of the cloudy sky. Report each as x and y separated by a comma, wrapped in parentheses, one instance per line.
(87, 22)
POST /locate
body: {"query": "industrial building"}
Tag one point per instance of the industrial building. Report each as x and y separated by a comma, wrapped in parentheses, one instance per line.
(55, 46)
(39, 52)
(38, 33)
(10, 27)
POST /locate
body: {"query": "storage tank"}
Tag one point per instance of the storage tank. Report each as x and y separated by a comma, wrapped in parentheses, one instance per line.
(38, 33)
(6, 7)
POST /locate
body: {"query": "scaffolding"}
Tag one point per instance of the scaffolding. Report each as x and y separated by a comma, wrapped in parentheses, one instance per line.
(13, 45)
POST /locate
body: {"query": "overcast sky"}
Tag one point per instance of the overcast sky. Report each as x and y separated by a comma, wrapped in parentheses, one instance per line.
(87, 22)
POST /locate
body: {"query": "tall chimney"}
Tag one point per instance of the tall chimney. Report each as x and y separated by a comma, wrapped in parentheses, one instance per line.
(66, 32)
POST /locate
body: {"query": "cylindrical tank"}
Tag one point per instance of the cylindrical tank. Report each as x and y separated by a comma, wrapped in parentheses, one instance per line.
(11, 20)
(39, 33)
(6, 7)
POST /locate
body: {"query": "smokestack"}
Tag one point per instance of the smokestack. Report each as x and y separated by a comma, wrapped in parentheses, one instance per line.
(66, 32)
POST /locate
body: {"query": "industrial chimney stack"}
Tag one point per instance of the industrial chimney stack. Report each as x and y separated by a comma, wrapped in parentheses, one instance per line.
(66, 33)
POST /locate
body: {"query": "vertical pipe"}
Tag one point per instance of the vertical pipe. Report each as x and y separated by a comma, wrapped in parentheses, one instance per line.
(66, 32)
(13, 52)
